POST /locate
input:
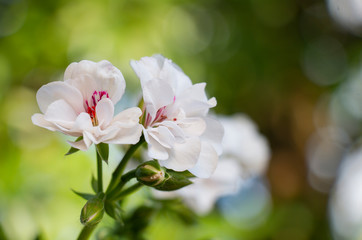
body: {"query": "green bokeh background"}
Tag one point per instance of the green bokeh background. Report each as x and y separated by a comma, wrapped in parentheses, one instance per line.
(250, 53)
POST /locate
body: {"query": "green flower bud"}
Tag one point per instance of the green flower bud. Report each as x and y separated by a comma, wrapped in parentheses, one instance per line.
(93, 211)
(150, 173)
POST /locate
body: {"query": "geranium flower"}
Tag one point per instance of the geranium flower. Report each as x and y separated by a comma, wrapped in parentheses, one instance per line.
(243, 142)
(174, 119)
(83, 105)
(204, 192)
(245, 155)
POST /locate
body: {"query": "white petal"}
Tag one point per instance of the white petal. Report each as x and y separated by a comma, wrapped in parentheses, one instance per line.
(156, 150)
(104, 112)
(79, 145)
(192, 126)
(194, 101)
(128, 117)
(83, 122)
(111, 80)
(158, 93)
(38, 119)
(183, 156)
(129, 135)
(89, 138)
(175, 76)
(61, 115)
(163, 136)
(213, 134)
(54, 91)
(176, 131)
(147, 68)
(88, 76)
(123, 129)
(207, 162)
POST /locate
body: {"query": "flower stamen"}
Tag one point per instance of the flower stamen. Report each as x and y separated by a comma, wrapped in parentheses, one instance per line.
(91, 107)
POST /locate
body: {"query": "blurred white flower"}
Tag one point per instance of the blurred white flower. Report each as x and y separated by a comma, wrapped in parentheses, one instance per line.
(176, 128)
(245, 144)
(347, 13)
(83, 105)
(246, 154)
(345, 202)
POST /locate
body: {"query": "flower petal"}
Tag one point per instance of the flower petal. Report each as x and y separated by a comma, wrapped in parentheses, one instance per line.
(124, 128)
(88, 76)
(54, 91)
(156, 150)
(192, 126)
(60, 110)
(129, 135)
(194, 101)
(176, 131)
(174, 76)
(213, 134)
(207, 162)
(104, 112)
(157, 93)
(38, 119)
(183, 156)
(83, 122)
(162, 135)
(128, 117)
(79, 145)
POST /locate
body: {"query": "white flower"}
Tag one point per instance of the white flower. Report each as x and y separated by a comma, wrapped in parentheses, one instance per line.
(245, 154)
(83, 105)
(176, 128)
(204, 192)
(245, 144)
(345, 202)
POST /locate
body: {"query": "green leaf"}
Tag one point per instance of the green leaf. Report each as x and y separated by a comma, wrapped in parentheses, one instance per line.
(114, 210)
(94, 184)
(103, 151)
(2, 233)
(86, 196)
(72, 149)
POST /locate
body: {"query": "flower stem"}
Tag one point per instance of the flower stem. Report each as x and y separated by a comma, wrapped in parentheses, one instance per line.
(100, 172)
(124, 179)
(86, 232)
(127, 191)
(117, 174)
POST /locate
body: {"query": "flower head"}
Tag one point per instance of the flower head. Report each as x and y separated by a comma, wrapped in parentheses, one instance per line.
(245, 155)
(175, 123)
(83, 105)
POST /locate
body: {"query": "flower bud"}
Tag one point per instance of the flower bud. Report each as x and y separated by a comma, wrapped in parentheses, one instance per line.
(150, 173)
(92, 212)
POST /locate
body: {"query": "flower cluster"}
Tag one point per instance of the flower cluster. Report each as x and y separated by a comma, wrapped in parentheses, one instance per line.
(173, 120)
(245, 155)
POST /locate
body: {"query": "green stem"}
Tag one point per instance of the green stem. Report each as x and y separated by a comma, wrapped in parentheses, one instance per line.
(100, 172)
(128, 191)
(124, 179)
(117, 174)
(86, 232)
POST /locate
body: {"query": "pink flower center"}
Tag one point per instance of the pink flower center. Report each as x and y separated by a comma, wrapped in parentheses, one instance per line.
(161, 115)
(92, 104)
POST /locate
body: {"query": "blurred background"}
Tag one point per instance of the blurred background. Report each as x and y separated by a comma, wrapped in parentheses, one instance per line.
(293, 66)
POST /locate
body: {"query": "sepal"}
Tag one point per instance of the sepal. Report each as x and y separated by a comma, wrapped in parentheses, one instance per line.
(73, 149)
(114, 210)
(103, 151)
